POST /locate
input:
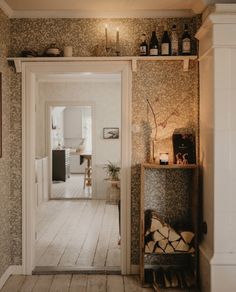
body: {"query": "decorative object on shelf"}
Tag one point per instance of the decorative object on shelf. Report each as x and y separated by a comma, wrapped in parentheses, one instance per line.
(29, 53)
(184, 147)
(165, 43)
(174, 42)
(110, 49)
(155, 141)
(110, 133)
(153, 47)
(106, 38)
(186, 42)
(112, 171)
(68, 51)
(143, 48)
(117, 42)
(169, 43)
(52, 51)
(164, 158)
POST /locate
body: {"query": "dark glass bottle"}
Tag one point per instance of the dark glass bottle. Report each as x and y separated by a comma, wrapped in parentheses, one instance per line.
(174, 42)
(186, 42)
(143, 48)
(165, 43)
(153, 48)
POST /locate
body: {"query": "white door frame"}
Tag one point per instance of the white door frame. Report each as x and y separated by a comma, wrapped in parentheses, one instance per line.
(70, 103)
(29, 74)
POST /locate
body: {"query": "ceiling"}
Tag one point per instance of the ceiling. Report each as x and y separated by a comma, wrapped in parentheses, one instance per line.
(105, 8)
(102, 8)
(101, 5)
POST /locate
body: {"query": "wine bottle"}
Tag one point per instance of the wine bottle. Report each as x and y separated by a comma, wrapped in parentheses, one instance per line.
(186, 41)
(165, 43)
(174, 42)
(143, 48)
(153, 48)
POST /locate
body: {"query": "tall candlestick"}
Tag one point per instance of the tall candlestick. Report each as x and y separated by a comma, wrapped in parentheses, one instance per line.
(106, 36)
(117, 41)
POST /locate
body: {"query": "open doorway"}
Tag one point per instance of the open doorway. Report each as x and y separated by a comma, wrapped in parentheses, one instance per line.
(78, 226)
(71, 152)
(31, 72)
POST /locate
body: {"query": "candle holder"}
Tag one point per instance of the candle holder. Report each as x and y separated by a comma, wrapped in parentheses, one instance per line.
(108, 51)
(164, 158)
(112, 49)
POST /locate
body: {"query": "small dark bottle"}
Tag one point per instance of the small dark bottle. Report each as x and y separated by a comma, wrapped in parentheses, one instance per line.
(174, 42)
(153, 48)
(186, 42)
(143, 48)
(165, 43)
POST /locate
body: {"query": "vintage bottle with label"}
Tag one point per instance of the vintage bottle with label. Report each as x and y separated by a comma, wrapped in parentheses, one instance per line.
(165, 43)
(174, 42)
(143, 48)
(186, 42)
(153, 48)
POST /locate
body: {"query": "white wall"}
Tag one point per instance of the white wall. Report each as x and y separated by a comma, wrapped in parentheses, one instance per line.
(106, 98)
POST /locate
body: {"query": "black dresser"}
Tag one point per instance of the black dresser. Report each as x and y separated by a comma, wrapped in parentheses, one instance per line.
(60, 164)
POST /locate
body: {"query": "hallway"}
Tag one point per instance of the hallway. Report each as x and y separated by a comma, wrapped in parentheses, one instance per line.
(77, 233)
(71, 189)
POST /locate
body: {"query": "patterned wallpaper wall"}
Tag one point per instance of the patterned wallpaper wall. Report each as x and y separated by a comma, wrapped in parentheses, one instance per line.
(173, 93)
(5, 231)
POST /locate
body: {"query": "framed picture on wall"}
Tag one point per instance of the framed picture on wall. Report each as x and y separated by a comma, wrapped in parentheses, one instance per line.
(0, 114)
(110, 133)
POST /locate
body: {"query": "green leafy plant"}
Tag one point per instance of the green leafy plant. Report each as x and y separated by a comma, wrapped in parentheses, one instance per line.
(112, 170)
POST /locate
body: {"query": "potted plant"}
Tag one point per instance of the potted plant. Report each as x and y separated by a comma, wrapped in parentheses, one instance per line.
(112, 170)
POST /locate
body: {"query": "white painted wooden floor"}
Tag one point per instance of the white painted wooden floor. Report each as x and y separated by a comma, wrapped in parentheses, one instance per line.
(71, 189)
(73, 283)
(77, 233)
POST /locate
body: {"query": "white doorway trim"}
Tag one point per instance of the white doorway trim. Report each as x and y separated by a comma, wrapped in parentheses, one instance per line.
(29, 74)
(67, 103)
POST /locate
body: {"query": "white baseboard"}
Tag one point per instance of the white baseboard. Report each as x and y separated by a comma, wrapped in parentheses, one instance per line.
(135, 270)
(11, 270)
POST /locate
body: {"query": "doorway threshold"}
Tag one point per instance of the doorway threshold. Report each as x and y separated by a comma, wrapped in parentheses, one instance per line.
(69, 199)
(53, 270)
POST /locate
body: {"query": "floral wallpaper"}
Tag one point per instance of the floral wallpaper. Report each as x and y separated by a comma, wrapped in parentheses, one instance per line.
(172, 92)
(5, 160)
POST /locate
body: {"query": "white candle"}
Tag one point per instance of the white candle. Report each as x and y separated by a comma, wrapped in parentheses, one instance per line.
(117, 41)
(117, 37)
(106, 36)
(164, 158)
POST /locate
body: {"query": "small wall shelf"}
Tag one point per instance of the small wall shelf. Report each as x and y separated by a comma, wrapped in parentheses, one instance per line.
(133, 59)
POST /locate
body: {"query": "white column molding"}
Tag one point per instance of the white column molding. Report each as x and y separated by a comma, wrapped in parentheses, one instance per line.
(217, 56)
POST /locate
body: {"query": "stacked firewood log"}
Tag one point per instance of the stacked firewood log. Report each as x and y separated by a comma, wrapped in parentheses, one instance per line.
(160, 237)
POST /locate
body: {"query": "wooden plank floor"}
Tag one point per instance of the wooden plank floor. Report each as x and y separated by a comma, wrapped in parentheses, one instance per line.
(77, 233)
(73, 283)
(72, 188)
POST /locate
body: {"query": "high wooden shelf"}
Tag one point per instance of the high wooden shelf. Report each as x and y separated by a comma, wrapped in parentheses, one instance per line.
(133, 59)
(171, 191)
